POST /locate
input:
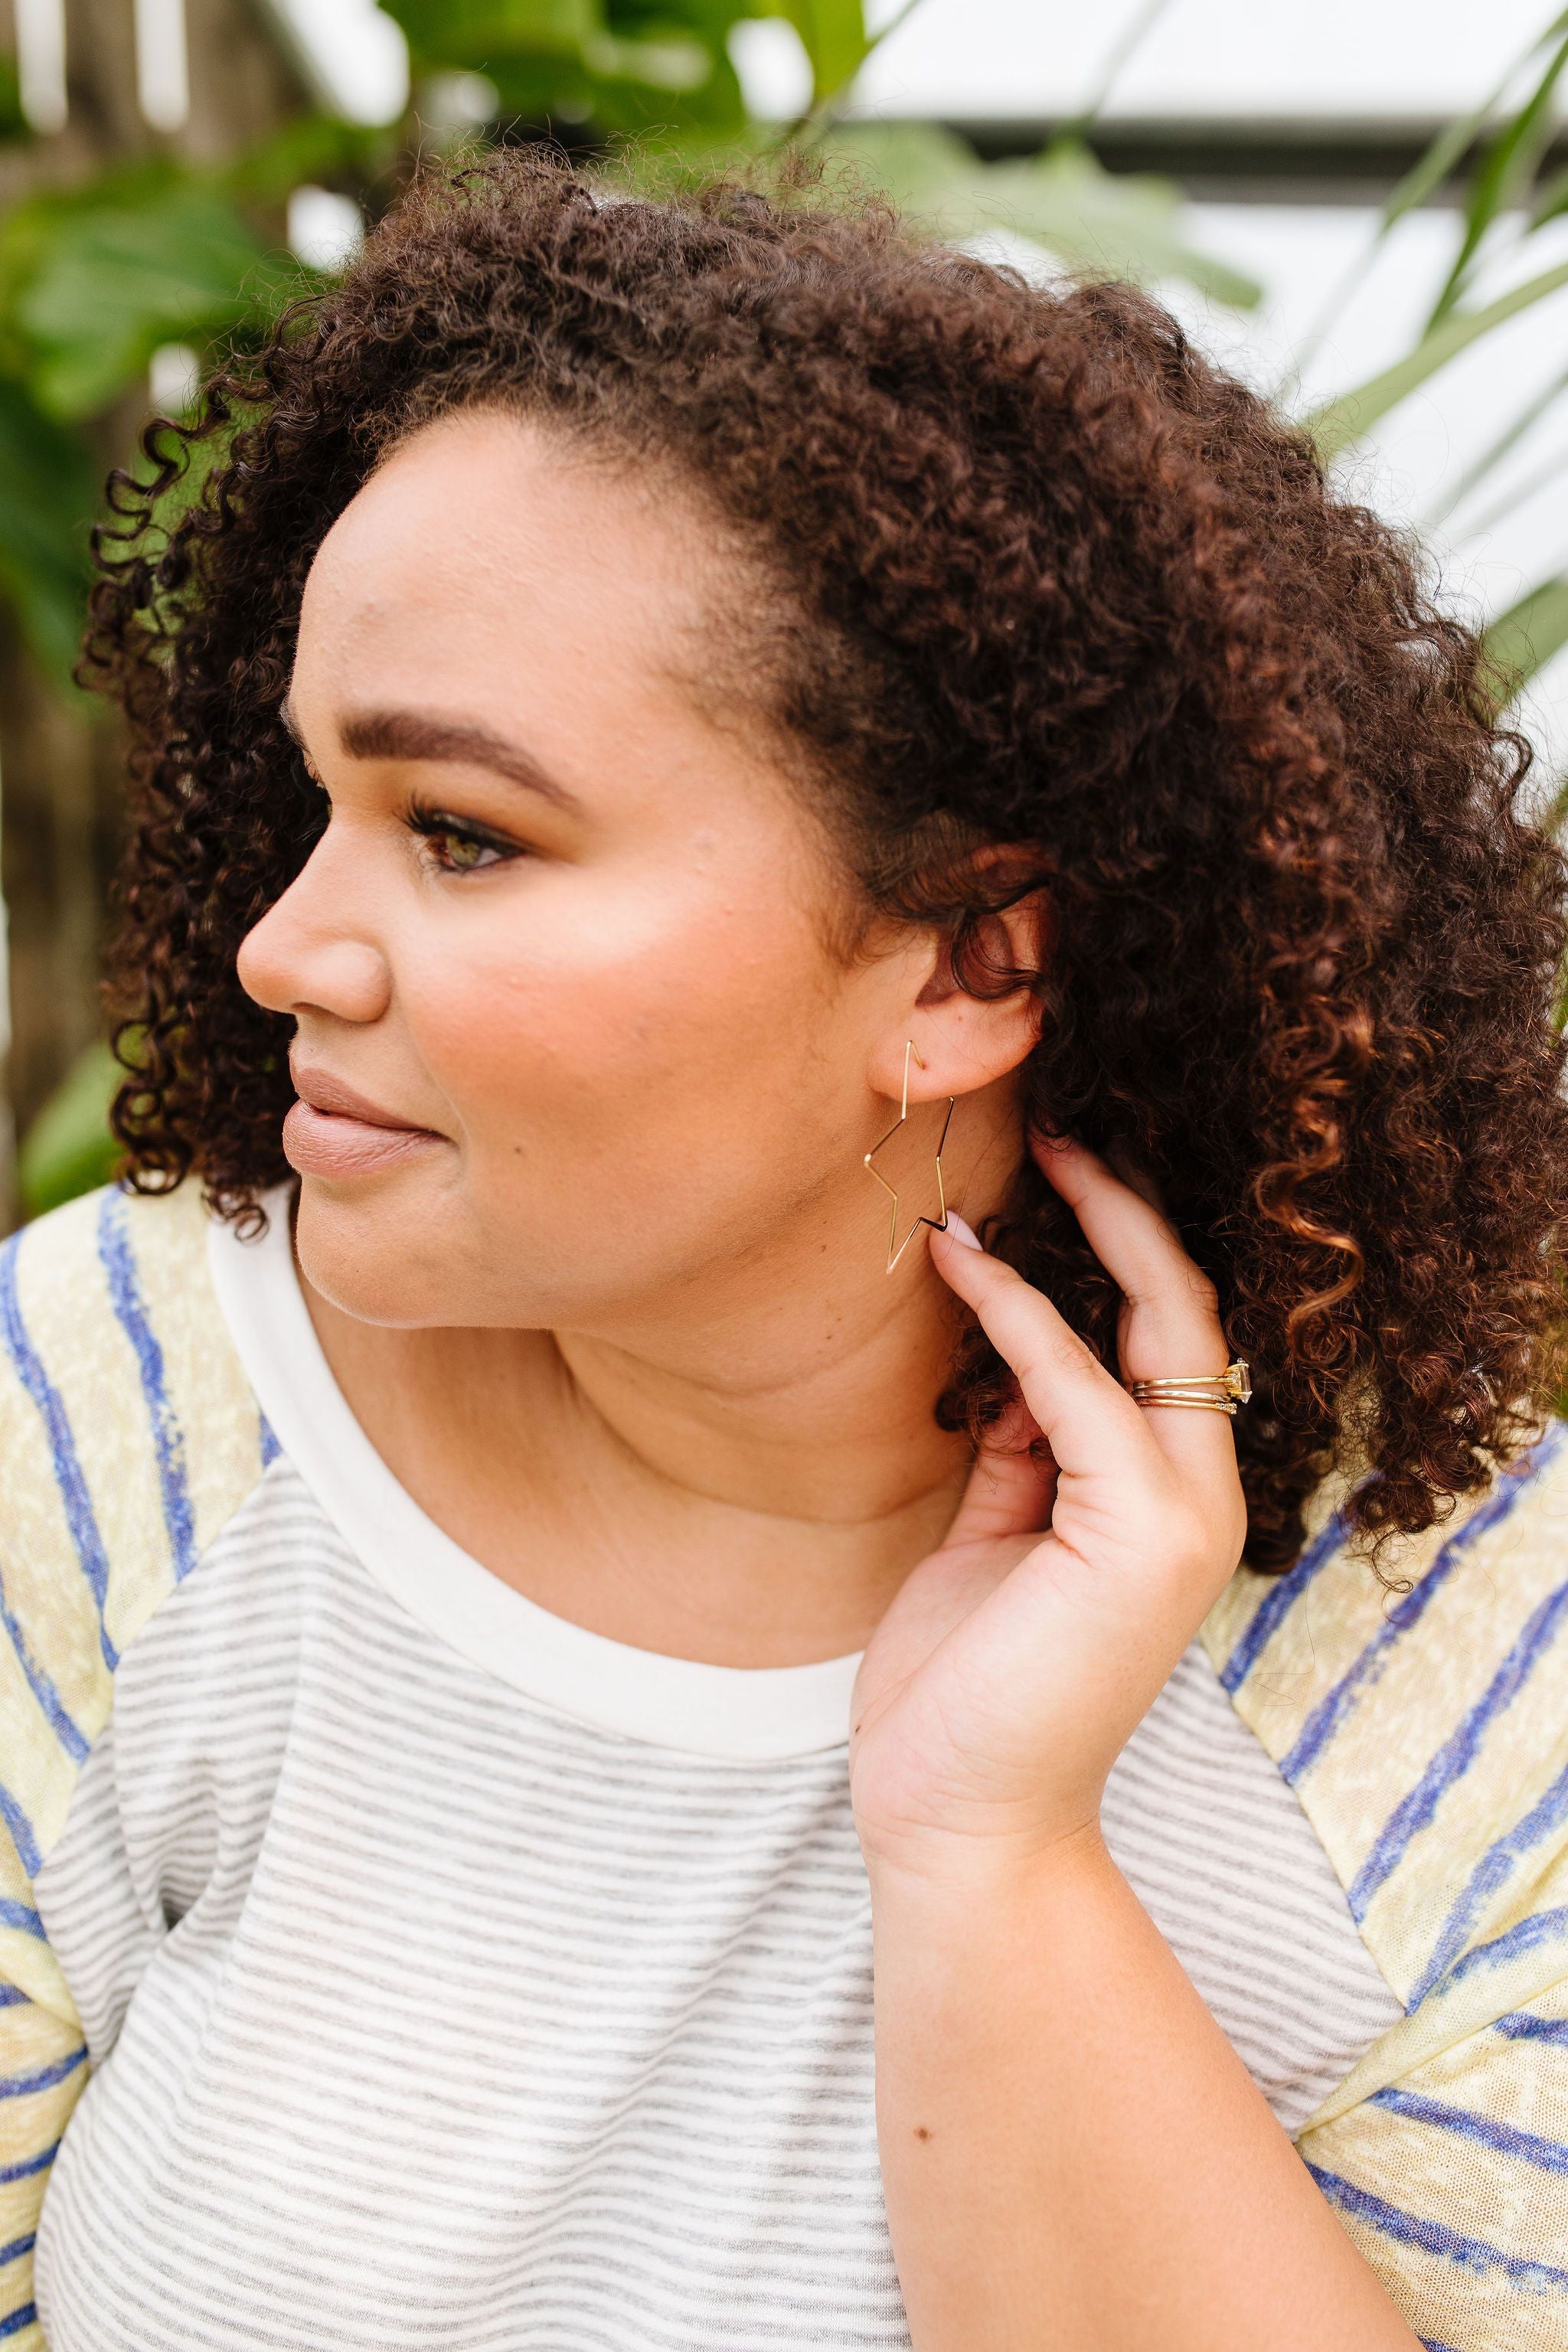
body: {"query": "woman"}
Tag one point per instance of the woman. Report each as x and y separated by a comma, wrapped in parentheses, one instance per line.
(693, 759)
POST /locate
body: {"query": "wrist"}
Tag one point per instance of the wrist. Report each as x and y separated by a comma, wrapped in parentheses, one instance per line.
(954, 1878)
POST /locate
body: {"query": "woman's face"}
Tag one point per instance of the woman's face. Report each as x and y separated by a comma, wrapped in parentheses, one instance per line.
(569, 930)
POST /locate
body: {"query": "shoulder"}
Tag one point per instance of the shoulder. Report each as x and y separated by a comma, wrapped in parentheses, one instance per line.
(1421, 1717)
(128, 1435)
(1424, 1727)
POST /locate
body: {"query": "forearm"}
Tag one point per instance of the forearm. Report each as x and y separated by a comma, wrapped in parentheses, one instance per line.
(1074, 2156)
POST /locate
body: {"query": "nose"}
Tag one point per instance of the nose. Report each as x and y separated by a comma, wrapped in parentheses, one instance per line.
(315, 951)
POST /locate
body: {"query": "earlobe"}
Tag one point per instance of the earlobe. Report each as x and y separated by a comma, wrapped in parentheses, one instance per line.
(967, 1041)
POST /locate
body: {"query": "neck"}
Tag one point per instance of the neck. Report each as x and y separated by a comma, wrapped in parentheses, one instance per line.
(820, 1411)
(745, 1476)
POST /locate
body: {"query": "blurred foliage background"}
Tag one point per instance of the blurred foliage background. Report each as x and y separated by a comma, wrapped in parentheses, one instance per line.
(169, 177)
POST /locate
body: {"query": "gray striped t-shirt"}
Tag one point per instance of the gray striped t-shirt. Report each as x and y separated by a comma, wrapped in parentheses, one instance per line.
(457, 1980)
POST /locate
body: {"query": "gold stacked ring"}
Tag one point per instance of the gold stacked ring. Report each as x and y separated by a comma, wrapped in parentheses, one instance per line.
(1210, 1392)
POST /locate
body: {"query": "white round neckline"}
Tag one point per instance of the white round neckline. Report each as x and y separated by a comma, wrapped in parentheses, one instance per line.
(744, 1713)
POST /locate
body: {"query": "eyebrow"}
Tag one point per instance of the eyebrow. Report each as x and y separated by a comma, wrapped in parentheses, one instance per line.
(419, 735)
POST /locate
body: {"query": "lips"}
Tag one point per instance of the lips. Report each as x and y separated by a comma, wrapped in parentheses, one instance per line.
(333, 1130)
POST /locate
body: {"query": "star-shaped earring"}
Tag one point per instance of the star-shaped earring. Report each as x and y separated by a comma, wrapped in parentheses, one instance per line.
(918, 1185)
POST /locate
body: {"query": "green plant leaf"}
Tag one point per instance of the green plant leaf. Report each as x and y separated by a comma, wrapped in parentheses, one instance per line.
(1106, 224)
(479, 36)
(1341, 422)
(48, 495)
(630, 67)
(1522, 640)
(115, 279)
(1508, 166)
(68, 1148)
(834, 34)
(1551, 200)
(1453, 143)
(1446, 152)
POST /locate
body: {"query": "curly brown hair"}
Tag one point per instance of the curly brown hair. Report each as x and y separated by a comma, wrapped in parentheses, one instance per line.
(1046, 579)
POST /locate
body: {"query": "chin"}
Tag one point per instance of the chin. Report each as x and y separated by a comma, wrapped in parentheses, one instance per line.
(409, 1253)
(367, 1246)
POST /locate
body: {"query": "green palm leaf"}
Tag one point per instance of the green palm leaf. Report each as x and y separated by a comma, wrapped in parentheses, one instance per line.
(1343, 421)
(1522, 640)
(1506, 170)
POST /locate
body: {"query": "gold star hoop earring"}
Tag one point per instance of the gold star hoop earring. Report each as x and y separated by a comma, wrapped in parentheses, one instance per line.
(921, 1177)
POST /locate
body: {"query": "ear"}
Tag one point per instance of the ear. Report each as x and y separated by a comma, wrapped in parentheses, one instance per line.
(964, 1041)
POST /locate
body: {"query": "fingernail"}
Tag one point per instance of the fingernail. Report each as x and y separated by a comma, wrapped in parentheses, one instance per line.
(963, 1233)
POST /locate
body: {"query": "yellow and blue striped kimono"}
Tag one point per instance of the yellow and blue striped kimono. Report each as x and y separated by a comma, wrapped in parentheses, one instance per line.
(1426, 1736)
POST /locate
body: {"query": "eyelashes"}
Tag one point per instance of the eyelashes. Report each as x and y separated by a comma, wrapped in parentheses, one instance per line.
(455, 846)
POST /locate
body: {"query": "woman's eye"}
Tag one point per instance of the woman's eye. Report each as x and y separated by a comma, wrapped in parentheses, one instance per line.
(462, 852)
(453, 849)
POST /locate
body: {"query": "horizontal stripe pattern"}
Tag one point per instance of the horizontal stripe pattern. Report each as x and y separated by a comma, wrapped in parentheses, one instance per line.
(425, 2017)
(1272, 1948)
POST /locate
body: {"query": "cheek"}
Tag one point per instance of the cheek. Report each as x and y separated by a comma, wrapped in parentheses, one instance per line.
(584, 1023)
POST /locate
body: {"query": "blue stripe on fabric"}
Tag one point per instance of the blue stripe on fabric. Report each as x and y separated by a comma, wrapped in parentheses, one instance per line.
(1523, 2025)
(19, 1914)
(168, 1440)
(18, 2248)
(1540, 1927)
(70, 1738)
(1279, 1602)
(12, 1997)
(12, 2321)
(270, 1449)
(1432, 2345)
(22, 1832)
(68, 1478)
(1503, 2139)
(1492, 1872)
(1433, 2237)
(20, 2087)
(1415, 1811)
(1337, 1704)
(30, 2166)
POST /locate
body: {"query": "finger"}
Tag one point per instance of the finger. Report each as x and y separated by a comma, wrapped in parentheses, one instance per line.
(1172, 1327)
(1085, 1416)
(1171, 1301)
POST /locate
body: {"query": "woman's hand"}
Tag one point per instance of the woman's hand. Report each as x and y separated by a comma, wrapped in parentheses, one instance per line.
(1072, 2153)
(1017, 1660)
